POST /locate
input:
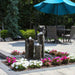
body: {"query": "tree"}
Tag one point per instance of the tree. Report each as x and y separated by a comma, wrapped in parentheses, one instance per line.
(12, 18)
(3, 9)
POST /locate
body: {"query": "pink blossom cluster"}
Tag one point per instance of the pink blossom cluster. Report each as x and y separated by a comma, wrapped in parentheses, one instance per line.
(65, 59)
(56, 53)
(10, 60)
(62, 54)
(15, 52)
(46, 61)
(53, 52)
(56, 61)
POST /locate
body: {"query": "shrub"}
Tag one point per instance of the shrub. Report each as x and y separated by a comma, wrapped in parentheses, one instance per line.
(10, 60)
(4, 34)
(26, 34)
(22, 32)
(72, 60)
(29, 33)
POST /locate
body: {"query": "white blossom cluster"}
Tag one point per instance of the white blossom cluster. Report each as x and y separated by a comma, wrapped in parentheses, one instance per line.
(35, 63)
(24, 64)
(20, 64)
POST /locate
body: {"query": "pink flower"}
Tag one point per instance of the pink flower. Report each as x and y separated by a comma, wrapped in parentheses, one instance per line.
(50, 52)
(66, 53)
(49, 63)
(53, 50)
(49, 60)
(7, 58)
(9, 61)
(42, 60)
(57, 57)
(64, 58)
(13, 61)
(14, 58)
(45, 59)
(57, 60)
(62, 52)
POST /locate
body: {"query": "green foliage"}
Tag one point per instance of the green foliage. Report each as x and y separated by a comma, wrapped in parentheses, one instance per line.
(26, 34)
(21, 13)
(29, 33)
(72, 60)
(4, 34)
(12, 18)
(22, 32)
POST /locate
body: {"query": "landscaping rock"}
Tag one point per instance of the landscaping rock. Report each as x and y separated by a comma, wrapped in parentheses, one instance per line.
(38, 49)
(8, 39)
(1, 40)
(41, 41)
(29, 45)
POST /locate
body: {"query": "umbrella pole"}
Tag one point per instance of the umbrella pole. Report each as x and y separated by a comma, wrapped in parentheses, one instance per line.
(57, 16)
(56, 21)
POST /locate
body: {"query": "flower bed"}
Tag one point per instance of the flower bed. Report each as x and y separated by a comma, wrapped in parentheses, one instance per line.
(57, 53)
(24, 64)
(16, 52)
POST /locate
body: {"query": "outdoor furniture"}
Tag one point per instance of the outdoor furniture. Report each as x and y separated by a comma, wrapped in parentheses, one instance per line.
(71, 35)
(60, 30)
(52, 33)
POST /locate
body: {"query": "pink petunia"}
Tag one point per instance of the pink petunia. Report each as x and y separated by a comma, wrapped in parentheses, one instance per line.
(62, 52)
(57, 60)
(42, 60)
(45, 59)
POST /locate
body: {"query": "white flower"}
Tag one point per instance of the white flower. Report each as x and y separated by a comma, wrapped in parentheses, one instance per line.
(40, 63)
(27, 63)
(22, 59)
(13, 65)
(17, 63)
(21, 62)
(16, 67)
(25, 59)
(35, 62)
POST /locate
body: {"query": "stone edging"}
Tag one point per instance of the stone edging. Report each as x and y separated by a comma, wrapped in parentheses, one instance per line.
(9, 71)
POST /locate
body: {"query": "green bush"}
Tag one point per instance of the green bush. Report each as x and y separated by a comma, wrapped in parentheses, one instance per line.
(4, 34)
(72, 60)
(30, 32)
(22, 32)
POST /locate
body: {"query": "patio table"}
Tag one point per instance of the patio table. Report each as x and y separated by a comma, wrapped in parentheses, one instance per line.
(64, 31)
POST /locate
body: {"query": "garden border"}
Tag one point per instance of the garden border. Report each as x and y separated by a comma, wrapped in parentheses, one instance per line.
(9, 71)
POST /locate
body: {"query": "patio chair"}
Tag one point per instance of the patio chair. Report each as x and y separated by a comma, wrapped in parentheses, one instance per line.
(52, 33)
(71, 35)
(60, 30)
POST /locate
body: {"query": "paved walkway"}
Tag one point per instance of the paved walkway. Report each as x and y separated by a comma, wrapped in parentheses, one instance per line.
(2, 72)
(20, 46)
(64, 71)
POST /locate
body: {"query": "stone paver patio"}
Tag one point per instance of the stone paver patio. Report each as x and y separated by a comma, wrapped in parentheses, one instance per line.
(20, 46)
